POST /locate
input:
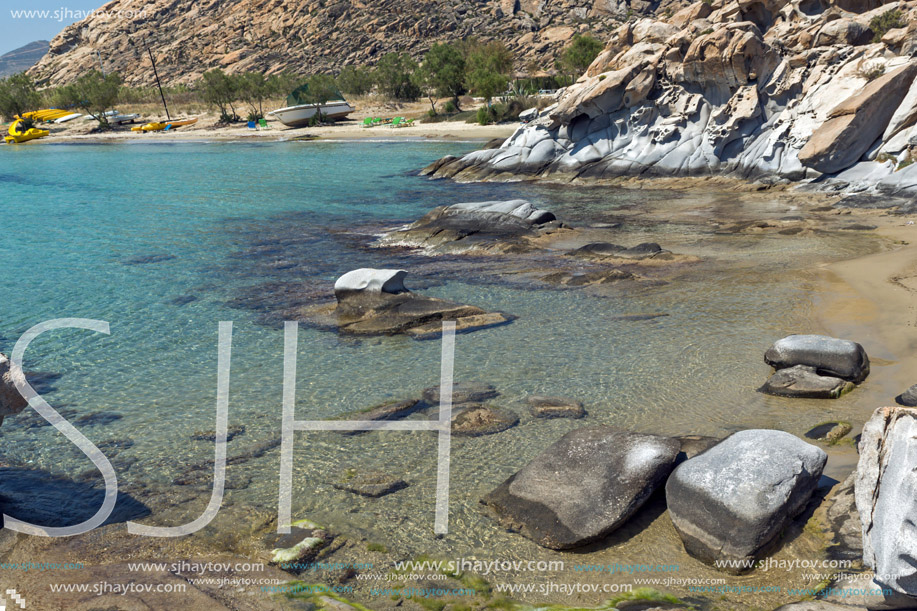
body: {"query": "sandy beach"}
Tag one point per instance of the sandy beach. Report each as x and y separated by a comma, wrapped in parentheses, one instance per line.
(208, 129)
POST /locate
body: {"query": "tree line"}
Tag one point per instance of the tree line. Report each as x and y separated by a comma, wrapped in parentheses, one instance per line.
(447, 70)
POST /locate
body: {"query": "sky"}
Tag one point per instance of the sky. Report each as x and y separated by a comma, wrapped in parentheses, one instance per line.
(16, 31)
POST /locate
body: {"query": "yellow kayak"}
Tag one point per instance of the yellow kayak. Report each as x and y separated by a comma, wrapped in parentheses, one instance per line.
(49, 114)
(149, 127)
(158, 127)
(18, 135)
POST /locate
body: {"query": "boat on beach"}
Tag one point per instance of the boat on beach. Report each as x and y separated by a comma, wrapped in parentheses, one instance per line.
(302, 107)
(301, 114)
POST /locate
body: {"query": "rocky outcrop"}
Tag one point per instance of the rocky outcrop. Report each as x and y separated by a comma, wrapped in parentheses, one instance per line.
(376, 302)
(854, 124)
(189, 37)
(886, 486)
(583, 487)
(493, 227)
(731, 502)
(11, 400)
(815, 367)
(775, 91)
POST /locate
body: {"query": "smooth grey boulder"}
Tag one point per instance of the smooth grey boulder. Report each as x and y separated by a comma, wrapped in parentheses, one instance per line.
(862, 591)
(583, 487)
(886, 497)
(804, 382)
(730, 502)
(908, 398)
(829, 356)
(11, 401)
(367, 284)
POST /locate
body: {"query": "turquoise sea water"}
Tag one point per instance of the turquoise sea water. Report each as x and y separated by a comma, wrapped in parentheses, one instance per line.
(163, 241)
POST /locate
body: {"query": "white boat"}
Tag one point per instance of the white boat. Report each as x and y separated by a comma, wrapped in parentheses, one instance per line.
(122, 118)
(296, 116)
(69, 117)
(114, 116)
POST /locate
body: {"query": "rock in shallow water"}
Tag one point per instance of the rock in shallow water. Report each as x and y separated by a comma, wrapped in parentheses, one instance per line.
(886, 489)
(908, 398)
(730, 502)
(829, 356)
(583, 487)
(555, 407)
(804, 383)
(494, 226)
(11, 401)
(463, 392)
(477, 420)
(369, 483)
(375, 302)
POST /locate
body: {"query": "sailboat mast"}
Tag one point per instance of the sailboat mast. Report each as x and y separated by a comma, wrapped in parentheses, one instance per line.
(158, 84)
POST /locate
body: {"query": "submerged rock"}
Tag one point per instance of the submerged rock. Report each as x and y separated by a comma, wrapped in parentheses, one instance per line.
(831, 432)
(477, 420)
(494, 226)
(583, 487)
(606, 250)
(803, 382)
(390, 410)
(730, 502)
(375, 302)
(555, 407)
(886, 487)
(11, 401)
(293, 551)
(463, 392)
(368, 483)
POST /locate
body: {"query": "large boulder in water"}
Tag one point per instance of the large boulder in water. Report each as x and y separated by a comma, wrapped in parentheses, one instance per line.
(370, 286)
(886, 489)
(829, 356)
(584, 486)
(492, 226)
(11, 401)
(731, 502)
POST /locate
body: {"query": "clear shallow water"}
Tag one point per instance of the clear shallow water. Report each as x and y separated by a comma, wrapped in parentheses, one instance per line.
(163, 241)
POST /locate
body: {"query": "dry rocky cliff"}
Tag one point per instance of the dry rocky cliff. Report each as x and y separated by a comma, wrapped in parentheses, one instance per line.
(762, 89)
(189, 37)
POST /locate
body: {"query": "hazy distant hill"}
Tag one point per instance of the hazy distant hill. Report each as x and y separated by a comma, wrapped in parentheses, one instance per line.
(188, 37)
(23, 58)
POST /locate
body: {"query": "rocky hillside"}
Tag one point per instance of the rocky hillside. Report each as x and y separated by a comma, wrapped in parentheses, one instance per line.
(814, 90)
(189, 37)
(22, 58)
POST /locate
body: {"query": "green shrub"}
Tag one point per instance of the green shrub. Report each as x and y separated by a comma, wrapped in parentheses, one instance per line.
(881, 24)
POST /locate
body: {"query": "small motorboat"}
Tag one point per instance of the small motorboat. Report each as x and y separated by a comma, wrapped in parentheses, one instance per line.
(300, 108)
(17, 135)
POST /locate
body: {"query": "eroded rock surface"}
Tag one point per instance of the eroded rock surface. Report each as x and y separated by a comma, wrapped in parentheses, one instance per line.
(815, 367)
(778, 90)
(886, 487)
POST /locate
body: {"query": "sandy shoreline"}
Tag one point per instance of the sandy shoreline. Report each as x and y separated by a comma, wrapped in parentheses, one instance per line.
(350, 130)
